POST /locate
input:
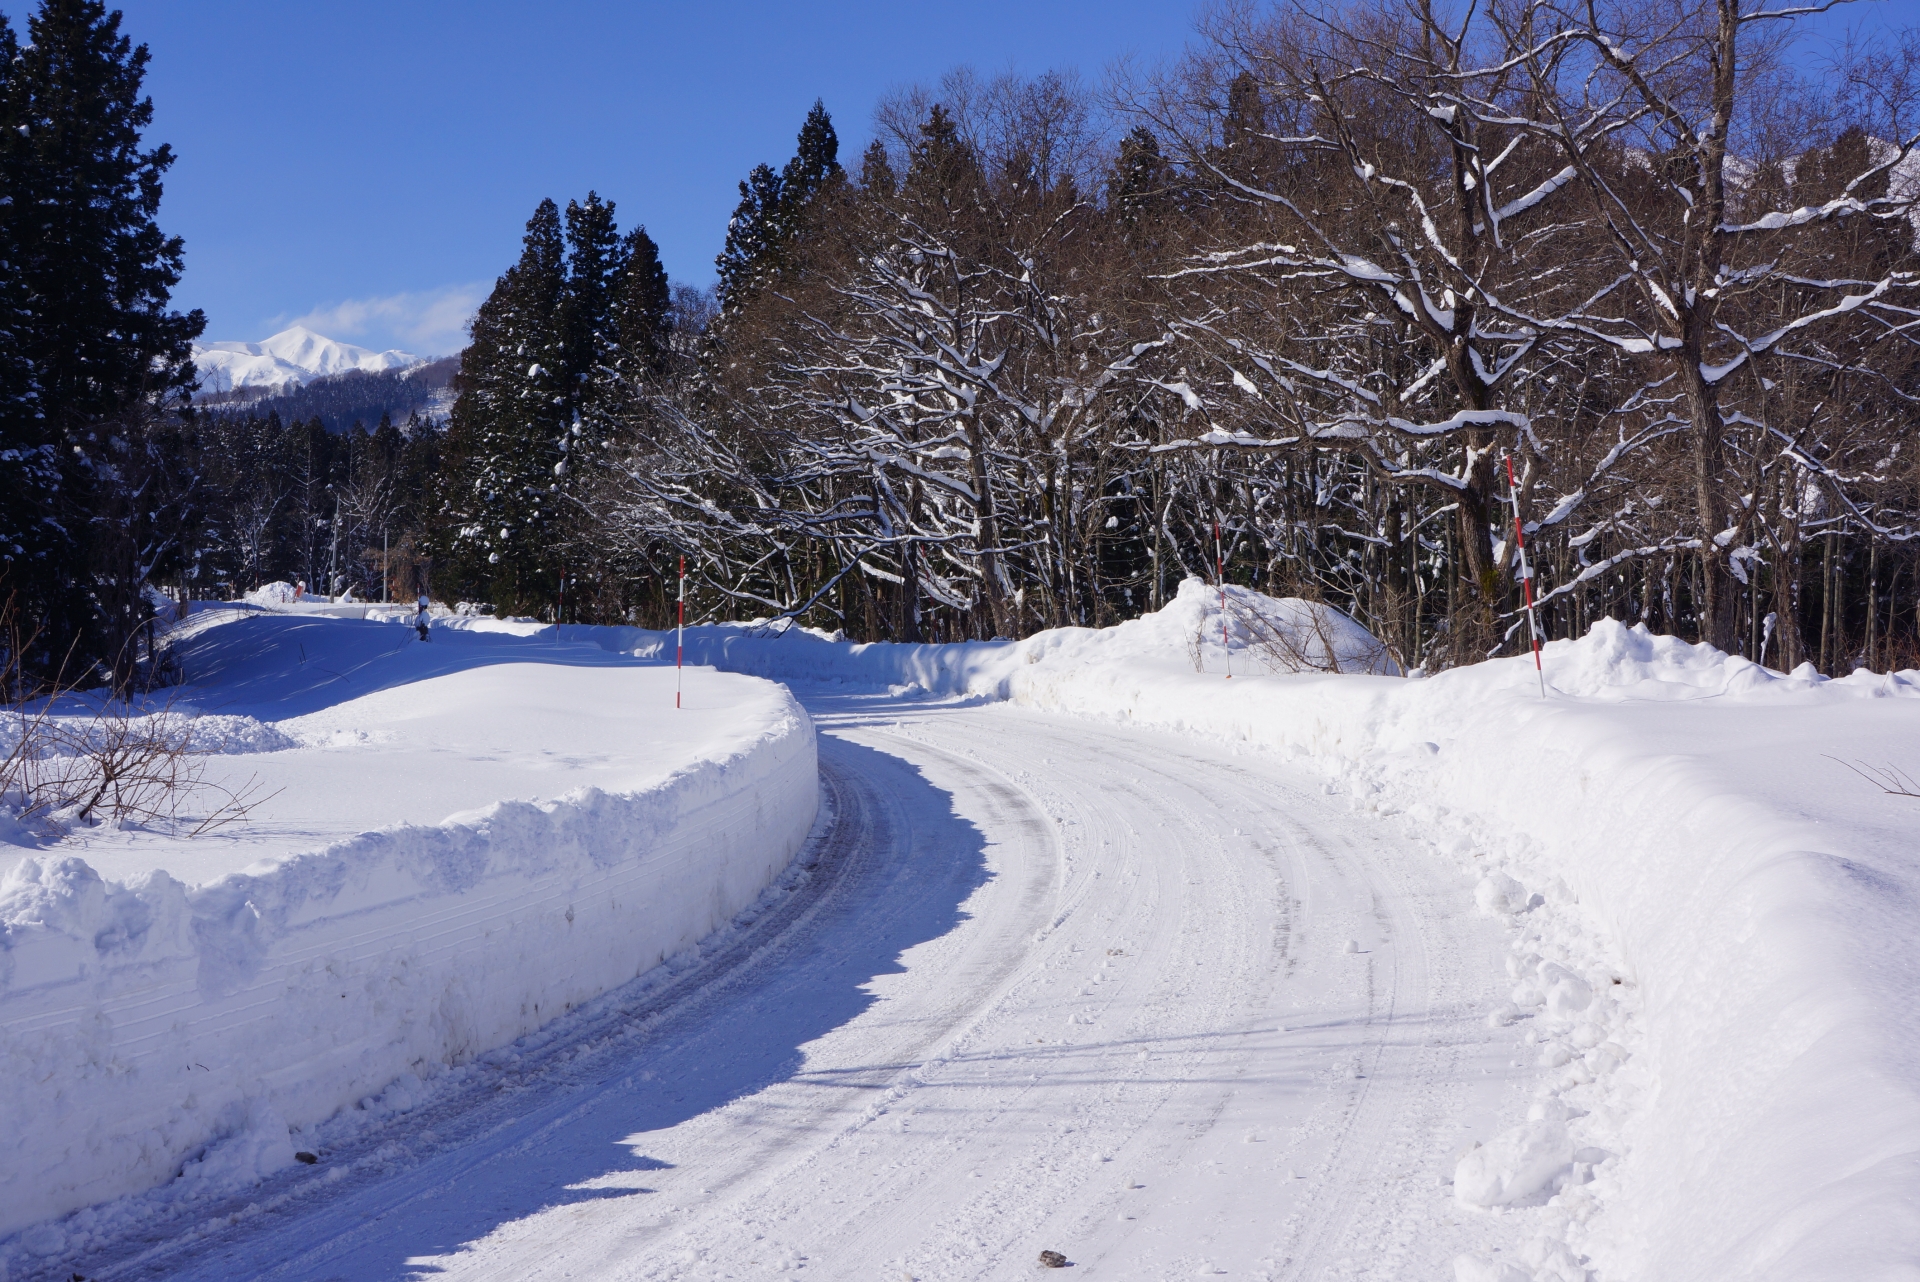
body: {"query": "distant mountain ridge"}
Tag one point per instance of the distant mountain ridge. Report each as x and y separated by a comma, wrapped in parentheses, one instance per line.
(422, 393)
(292, 358)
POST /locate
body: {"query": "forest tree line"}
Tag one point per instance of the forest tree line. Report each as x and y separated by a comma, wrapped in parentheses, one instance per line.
(1318, 285)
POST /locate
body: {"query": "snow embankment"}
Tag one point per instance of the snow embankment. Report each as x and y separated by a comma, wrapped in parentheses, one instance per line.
(1713, 913)
(155, 1031)
(1254, 634)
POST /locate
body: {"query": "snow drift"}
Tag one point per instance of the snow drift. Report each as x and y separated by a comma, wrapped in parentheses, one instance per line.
(1257, 635)
(151, 1030)
(1714, 914)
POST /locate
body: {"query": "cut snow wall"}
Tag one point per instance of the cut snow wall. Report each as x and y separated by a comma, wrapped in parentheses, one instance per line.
(140, 1023)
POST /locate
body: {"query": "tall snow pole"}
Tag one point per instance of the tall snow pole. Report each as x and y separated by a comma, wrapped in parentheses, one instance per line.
(1220, 574)
(1526, 575)
(680, 636)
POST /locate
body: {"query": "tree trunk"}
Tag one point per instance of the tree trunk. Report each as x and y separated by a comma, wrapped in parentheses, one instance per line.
(910, 594)
(987, 541)
(1715, 609)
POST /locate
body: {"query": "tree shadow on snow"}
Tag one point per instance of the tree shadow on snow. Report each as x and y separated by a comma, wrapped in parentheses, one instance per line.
(277, 666)
(594, 1130)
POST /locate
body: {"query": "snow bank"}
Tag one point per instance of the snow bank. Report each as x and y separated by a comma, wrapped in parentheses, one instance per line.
(1713, 956)
(151, 1030)
(1262, 635)
(279, 592)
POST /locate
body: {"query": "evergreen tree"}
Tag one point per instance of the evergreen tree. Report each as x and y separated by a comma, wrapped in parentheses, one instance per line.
(876, 172)
(941, 168)
(1140, 181)
(595, 264)
(97, 368)
(748, 254)
(814, 167)
(1244, 149)
(769, 218)
(644, 309)
(596, 269)
(508, 416)
(29, 463)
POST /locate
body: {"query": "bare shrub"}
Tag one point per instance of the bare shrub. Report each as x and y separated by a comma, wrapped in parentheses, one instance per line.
(1891, 780)
(1307, 642)
(67, 758)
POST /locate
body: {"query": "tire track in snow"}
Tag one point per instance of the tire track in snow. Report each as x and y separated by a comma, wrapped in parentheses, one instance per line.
(1033, 995)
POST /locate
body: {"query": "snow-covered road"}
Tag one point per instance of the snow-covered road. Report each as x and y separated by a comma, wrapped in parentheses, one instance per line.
(1162, 1007)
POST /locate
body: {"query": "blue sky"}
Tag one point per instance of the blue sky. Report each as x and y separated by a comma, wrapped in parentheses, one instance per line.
(366, 168)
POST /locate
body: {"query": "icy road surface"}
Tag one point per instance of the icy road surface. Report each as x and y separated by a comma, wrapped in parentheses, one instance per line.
(1133, 997)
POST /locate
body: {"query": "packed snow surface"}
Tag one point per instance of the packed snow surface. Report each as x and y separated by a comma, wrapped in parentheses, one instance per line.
(1246, 967)
(1713, 906)
(291, 358)
(459, 841)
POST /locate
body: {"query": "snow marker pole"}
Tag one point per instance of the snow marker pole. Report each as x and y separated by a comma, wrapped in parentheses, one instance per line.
(680, 638)
(1220, 574)
(1526, 576)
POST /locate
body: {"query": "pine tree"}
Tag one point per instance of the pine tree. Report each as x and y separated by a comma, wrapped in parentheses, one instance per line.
(97, 367)
(815, 166)
(876, 172)
(596, 269)
(770, 216)
(747, 257)
(29, 463)
(511, 409)
(1139, 185)
(1244, 147)
(644, 309)
(595, 264)
(942, 168)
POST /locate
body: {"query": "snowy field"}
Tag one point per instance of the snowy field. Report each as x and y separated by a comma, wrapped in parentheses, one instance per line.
(1287, 975)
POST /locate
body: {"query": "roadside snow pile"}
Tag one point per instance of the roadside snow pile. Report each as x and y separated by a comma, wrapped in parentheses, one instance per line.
(1619, 663)
(155, 1031)
(275, 593)
(1255, 634)
(1713, 914)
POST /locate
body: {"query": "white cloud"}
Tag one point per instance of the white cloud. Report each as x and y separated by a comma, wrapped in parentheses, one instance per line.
(429, 322)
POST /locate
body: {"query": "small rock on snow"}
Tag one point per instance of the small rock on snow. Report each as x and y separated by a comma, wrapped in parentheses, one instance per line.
(1053, 1259)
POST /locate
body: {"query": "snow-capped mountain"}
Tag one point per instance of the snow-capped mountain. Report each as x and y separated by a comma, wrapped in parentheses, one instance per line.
(291, 358)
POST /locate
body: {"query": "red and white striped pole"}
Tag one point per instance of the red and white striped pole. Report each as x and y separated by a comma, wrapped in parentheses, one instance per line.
(680, 637)
(1220, 575)
(1526, 575)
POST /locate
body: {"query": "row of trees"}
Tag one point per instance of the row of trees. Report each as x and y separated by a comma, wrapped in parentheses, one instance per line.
(340, 511)
(1316, 287)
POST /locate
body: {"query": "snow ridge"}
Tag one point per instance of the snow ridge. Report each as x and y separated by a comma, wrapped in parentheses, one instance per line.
(291, 358)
